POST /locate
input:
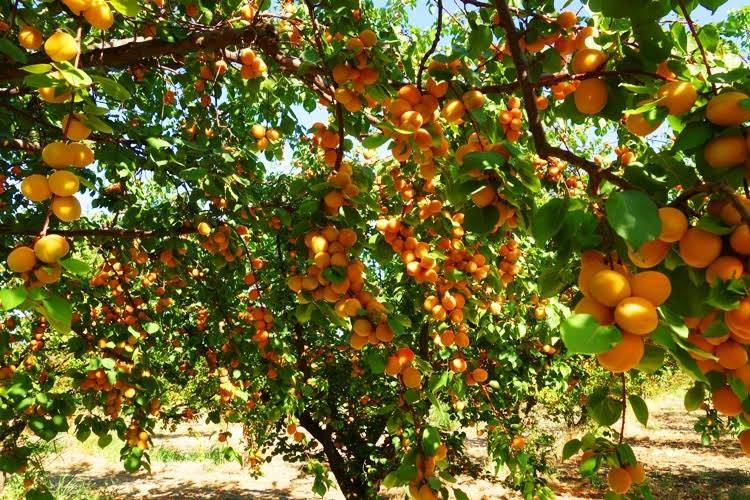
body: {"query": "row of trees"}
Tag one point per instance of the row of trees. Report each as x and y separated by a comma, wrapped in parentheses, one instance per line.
(491, 203)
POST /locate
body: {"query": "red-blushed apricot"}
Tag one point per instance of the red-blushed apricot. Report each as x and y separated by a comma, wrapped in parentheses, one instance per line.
(699, 248)
(726, 402)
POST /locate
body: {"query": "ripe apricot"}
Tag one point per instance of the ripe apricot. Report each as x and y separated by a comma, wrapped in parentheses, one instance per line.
(411, 377)
(35, 187)
(63, 183)
(726, 109)
(29, 37)
(699, 248)
(66, 208)
(61, 47)
(73, 127)
(591, 96)
(479, 374)
(726, 402)
(724, 268)
(637, 473)
(674, 223)
(585, 38)
(473, 99)
(484, 196)
(739, 240)
(99, 15)
(57, 155)
(639, 125)
(677, 97)
(48, 274)
(650, 254)
(77, 6)
(458, 365)
(453, 110)
(368, 37)
(636, 315)
(652, 286)
(602, 314)
(609, 287)
(625, 355)
(731, 354)
(51, 248)
(744, 438)
(726, 152)
(21, 260)
(587, 60)
(566, 19)
(79, 154)
(619, 480)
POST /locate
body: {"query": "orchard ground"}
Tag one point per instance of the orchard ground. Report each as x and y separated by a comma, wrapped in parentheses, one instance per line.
(188, 463)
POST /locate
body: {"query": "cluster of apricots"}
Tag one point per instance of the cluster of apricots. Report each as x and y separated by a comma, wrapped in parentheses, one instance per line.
(400, 364)
(428, 207)
(136, 437)
(512, 119)
(412, 123)
(508, 268)
(612, 294)
(554, 170)
(402, 185)
(292, 431)
(39, 265)
(97, 380)
(625, 155)
(345, 188)
(677, 97)
(419, 487)
(217, 240)
(264, 137)
(328, 140)
(253, 65)
(352, 78)
(262, 320)
(415, 254)
(621, 479)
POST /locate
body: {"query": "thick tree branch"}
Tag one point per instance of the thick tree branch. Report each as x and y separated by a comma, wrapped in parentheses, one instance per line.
(542, 146)
(22, 144)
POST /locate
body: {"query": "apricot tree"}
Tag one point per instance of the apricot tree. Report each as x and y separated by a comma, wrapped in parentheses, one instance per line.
(487, 200)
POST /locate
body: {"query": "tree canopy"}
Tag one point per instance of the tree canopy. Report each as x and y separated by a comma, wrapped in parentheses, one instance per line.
(511, 212)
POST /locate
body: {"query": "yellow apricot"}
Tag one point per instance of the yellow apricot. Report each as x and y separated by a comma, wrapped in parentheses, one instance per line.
(48, 274)
(639, 125)
(61, 47)
(585, 38)
(726, 109)
(624, 355)
(66, 208)
(484, 196)
(699, 248)
(473, 99)
(619, 480)
(674, 223)
(591, 96)
(54, 95)
(453, 110)
(724, 268)
(99, 15)
(36, 188)
(63, 183)
(609, 287)
(81, 155)
(21, 260)
(637, 473)
(677, 97)
(30, 38)
(73, 127)
(602, 314)
(636, 315)
(566, 19)
(725, 152)
(77, 6)
(51, 248)
(587, 60)
(650, 254)
(57, 155)
(652, 286)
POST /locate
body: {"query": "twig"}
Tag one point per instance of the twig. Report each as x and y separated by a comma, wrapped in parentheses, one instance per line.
(624, 407)
(435, 41)
(698, 42)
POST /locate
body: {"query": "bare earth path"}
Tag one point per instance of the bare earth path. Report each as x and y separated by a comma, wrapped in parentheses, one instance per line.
(678, 467)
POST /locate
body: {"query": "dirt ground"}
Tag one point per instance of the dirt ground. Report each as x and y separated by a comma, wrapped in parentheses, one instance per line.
(677, 465)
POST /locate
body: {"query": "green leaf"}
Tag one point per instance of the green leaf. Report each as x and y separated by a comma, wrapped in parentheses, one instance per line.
(75, 266)
(480, 220)
(430, 440)
(603, 408)
(639, 407)
(132, 463)
(104, 440)
(13, 51)
(335, 274)
(694, 396)
(459, 494)
(98, 124)
(157, 143)
(111, 87)
(652, 360)
(582, 334)
(129, 8)
(548, 220)
(479, 40)
(375, 141)
(693, 136)
(10, 298)
(58, 312)
(571, 448)
(37, 69)
(193, 173)
(634, 217)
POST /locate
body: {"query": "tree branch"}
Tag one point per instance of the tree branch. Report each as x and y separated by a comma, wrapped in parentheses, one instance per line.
(698, 42)
(104, 232)
(435, 41)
